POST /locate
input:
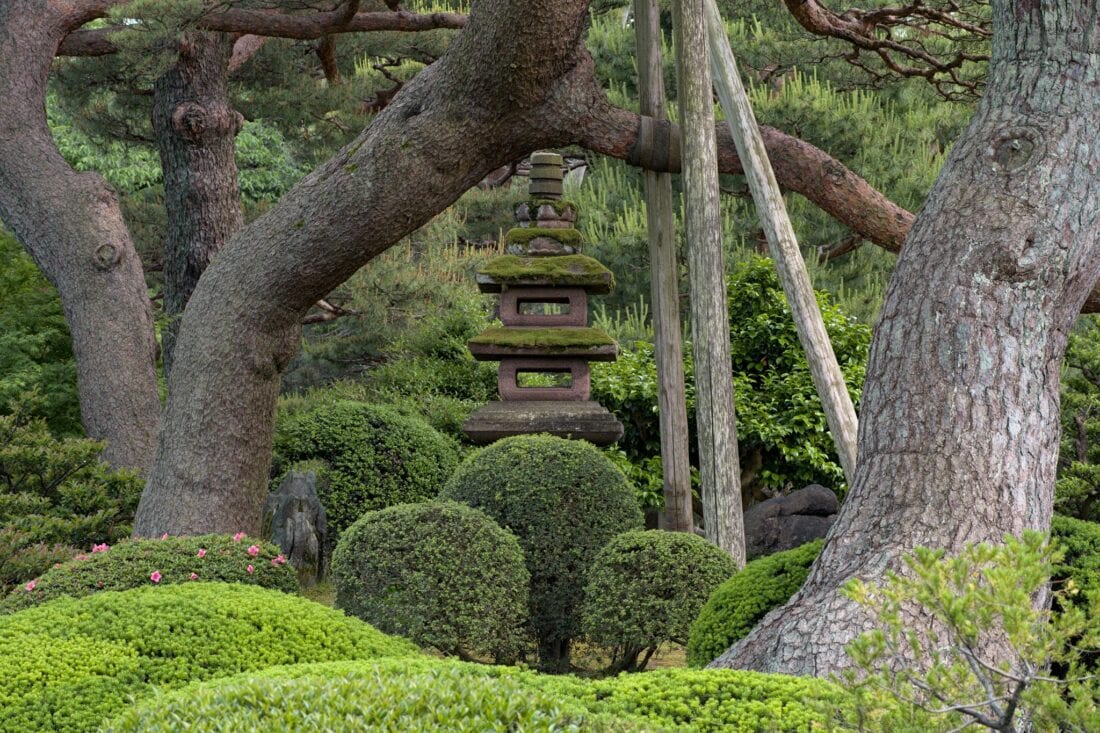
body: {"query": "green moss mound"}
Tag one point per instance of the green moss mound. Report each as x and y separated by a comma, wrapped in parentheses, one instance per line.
(370, 457)
(564, 500)
(739, 603)
(439, 573)
(133, 563)
(523, 235)
(431, 694)
(646, 588)
(576, 270)
(547, 339)
(67, 665)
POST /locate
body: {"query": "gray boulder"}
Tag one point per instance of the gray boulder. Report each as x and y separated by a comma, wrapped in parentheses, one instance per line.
(786, 522)
(295, 521)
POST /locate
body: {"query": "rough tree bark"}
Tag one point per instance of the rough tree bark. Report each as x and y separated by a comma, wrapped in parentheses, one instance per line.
(195, 127)
(959, 431)
(72, 226)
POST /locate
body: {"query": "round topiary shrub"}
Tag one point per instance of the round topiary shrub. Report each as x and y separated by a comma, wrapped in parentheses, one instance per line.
(440, 573)
(738, 604)
(370, 457)
(646, 588)
(564, 500)
(355, 697)
(136, 563)
(69, 664)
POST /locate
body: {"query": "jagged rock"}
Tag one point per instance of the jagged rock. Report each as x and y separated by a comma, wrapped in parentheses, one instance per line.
(295, 521)
(786, 522)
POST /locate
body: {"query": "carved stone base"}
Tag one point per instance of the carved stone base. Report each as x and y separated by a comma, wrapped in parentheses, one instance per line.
(575, 420)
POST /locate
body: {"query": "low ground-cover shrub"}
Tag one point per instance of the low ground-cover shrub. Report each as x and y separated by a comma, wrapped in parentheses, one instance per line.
(439, 573)
(563, 500)
(69, 664)
(667, 700)
(645, 588)
(738, 604)
(370, 457)
(136, 563)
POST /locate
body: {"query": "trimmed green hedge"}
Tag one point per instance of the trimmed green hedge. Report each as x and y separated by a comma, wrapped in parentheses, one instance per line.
(739, 603)
(67, 665)
(499, 698)
(136, 563)
(645, 588)
(564, 500)
(371, 457)
(439, 573)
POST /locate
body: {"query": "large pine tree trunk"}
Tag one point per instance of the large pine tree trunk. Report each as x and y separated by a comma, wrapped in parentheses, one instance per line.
(72, 226)
(195, 127)
(959, 431)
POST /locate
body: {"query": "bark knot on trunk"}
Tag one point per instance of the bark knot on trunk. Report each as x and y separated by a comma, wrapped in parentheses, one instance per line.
(201, 124)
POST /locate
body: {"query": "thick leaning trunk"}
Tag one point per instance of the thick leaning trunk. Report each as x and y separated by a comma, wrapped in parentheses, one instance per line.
(959, 431)
(195, 127)
(72, 226)
(516, 79)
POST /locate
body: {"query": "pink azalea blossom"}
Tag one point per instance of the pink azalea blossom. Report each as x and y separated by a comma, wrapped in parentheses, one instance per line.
(250, 569)
(81, 557)
(101, 548)
(56, 565)
(238, 537)
(164, 536)
(194, 576)
(155, 576)
(278, 560)
(31, 585)
(202, 552)
(254, 550)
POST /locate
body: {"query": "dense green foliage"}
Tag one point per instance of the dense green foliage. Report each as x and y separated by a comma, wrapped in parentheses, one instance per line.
(67, 665)
(37, 369)
(439, 573)
(370, 456)
(738, 604)
(563, 500)
(645, 588)
(55, 496)
(782, 434)
(1078, 488)
(137, 563)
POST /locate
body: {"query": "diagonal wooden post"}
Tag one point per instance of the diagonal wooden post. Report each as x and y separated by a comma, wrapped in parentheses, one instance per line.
(782, 244)
(665, 286)
(714, 416)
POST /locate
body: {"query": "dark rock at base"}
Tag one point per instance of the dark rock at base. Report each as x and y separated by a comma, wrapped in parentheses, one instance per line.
(575, 420)
(786, 522)
(295, 521)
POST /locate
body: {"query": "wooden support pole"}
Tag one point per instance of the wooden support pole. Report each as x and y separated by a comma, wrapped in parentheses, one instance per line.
(782, 243)
(714, 415)
(665, 286)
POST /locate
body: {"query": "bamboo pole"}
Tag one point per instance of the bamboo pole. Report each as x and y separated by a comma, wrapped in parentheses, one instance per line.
(782, 243)
(677, 515)
(714, 415)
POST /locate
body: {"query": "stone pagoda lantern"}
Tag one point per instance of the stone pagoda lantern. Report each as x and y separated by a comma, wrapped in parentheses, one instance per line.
(545, 345)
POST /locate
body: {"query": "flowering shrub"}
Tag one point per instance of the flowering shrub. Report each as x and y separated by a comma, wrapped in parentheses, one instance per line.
(67, 665)
(134, 563)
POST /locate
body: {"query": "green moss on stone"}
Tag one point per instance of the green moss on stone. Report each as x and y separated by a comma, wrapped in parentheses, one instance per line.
(559, 205)
(523, 235)
(544, 338)
(576, 270)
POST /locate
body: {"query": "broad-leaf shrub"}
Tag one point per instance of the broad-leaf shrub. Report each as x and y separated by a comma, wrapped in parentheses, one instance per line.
(563, 500)
(645, 588)
(55, 494)
(371, 457)
(136, 563)
(739, 603)
(67, 665)
(439, 573)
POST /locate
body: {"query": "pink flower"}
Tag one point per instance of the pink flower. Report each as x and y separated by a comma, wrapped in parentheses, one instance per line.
(155, 576)
(56, 565)
(164, 536)
(238, 537)
(81, 557)
(250, 569)
(31, 585)
(101, 548)
(254, 550)
(202, 552)
(194, 576)
(278, 560)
